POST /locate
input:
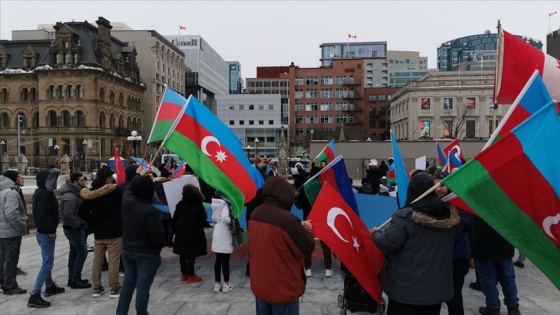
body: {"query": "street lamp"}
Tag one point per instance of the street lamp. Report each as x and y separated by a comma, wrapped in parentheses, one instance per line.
(256, 148)
(56, 147)
(19, 119)
(134, 140)
(84, 143)
(248, 148)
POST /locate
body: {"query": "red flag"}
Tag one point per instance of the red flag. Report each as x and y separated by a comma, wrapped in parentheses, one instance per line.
(551, 13)
(455, 148)
(351, 36)
(182, 27)
(336, 224)
(119, 168)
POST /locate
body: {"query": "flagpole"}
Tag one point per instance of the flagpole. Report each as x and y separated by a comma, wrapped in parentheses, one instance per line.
(500, 38)
(155, 156)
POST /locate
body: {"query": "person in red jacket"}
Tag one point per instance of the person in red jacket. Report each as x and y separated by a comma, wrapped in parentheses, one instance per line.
(277, 272)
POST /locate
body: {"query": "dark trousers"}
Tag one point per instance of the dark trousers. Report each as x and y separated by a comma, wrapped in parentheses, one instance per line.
(398, 308)
(221, 265)
(460, 270)
(327, 257)
(78, 253)
(187, 264)
(9, 257)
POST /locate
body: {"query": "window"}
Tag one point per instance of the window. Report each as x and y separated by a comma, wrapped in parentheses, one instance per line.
(425, 128)
(382, 98)
(326, 93)
(241, 107)
(261, 122)
(326, 119)
(251, 122)
(251, 107)
(298, 81)
(75, 58)
(66, 118)
(298, 93)
(373, 98)
(341, 93)
(299, 131)
(340, 79)
(261, 107)
(270, 107)
(35, 122)
(311, 119)
(61, 92)
(447, 103)
(71, 91)
(112, 121)
(52, 92)
(102, 121)
(231, 107)
(299, 107)
(5, 121)
(299, 119)
(341, 119)
(80, 119)
(102, 94)
(327, 80)
(311, 80)
(232, 122)
(52, 119)
(491, 127)
(311, 93)
(341, 106)
(4, 96)
(80, 92)
(271, 122)
(425, 103)
(326, 106)
(242, 122)
(471, 129)
(470, 103)
(67, 58)
(311, 106)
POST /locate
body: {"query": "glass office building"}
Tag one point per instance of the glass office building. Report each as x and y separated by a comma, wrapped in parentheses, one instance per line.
(361, 50)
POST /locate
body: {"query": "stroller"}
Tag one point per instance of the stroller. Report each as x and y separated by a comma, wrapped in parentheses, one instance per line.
(355, 299)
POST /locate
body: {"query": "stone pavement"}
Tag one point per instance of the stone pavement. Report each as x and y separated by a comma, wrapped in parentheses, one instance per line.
(171, 296)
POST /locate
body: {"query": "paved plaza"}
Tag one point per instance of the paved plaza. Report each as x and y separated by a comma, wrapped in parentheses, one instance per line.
(171, 296)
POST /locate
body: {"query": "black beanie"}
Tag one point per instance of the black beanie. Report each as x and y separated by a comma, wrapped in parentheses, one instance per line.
(419, 184)
(142, 187)
(11, 175)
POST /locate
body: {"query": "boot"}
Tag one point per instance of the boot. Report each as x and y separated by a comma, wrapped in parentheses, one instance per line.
(514, 310)
(35, 300)
(488, 311)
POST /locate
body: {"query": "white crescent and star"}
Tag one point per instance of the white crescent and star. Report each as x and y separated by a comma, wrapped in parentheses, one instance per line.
(548, 222)
(331, 217)
(220, 155)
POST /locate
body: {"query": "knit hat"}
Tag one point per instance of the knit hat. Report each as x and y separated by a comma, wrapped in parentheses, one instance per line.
(13, 175)
(142, 187)
(419, 184)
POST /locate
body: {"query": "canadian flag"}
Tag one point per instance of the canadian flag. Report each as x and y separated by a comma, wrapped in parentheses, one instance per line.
(182, 27)
(551, 13)
(336, 224)
(351, 36)
(517, 60)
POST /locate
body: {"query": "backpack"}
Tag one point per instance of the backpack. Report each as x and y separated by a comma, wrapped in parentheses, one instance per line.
(234, 227)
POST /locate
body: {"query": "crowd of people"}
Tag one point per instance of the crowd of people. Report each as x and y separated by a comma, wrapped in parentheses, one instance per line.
(428, 246)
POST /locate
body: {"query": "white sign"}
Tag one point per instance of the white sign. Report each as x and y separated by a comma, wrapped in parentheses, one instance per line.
(420, 163)
(174, 190)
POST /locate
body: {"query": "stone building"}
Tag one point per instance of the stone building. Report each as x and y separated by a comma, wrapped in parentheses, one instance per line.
(74, 96)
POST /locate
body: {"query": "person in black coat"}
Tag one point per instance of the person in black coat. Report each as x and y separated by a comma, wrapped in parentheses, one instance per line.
(188, 223)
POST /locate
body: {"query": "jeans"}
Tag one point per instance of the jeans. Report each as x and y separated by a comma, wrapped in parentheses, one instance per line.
(265, 308)
(492, 271)
(9, 257)
(78, 253)
(46, 242)
(140, 270)
(521, 258)
(460, 270)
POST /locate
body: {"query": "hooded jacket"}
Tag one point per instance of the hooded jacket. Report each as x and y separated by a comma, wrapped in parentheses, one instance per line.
(222, 241)
(418, 247)
(101, 207)
(188, 222)
(45, 205)
(277, 244)
(13, 218)
(70, 202)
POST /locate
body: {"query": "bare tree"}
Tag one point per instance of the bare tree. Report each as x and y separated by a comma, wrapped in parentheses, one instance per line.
(454, 119)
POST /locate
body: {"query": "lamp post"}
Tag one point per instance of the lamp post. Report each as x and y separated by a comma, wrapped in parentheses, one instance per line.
(84, 149)
(19, 118)
(134, 140)
(247, 149)
(56, 147)
(256, 148)
(312, 131)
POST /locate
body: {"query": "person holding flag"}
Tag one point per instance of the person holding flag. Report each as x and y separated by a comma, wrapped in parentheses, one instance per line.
(418, 284)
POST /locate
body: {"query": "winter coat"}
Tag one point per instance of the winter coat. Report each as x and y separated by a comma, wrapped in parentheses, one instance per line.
(255, 202)
(101, 208)
(277, 244)
(188, 222)
(418, 250)
(70, 202)
(13, 218)
(487, 244)
(222, 241)
(462, 248)
(142, 232)
(45, 205)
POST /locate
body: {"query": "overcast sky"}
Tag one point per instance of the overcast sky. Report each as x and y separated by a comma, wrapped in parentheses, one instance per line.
(275, 33)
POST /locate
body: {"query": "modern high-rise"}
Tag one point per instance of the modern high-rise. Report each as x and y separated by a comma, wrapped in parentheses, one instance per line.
(553, 44)
(235, 79)
(405, 66)
(473, 52)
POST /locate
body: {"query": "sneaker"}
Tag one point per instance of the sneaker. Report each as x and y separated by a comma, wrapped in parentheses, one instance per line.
(115, 293)
(308, 273)
(20, 272)
(519, 264)
(217, 287)
(97, 292)
(193, 279)
(80, 285)
(53, 289)
(475, 286)
(184, 277)
(328, 273)
(513, 310)
(90, 249)
(488, 311)
(227, 288)
(15, 291)
(35, 300)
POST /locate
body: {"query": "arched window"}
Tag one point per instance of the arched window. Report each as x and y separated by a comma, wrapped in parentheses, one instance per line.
(128, 124)
(121, 99)
(34, 95)
(121, 122)
(5, 121)
(112, 97)
(102, 94)
(52, 119)
(112, 121)
(4, 95)
(66, 118)
(80, 119)
(75, 58)
(52, 92)
(36, 120)
(102, 120)
(25, 95)
(61, 92)
(80, 92)
(22, 120)
(67, 58)
(134, 124)
(71, 92)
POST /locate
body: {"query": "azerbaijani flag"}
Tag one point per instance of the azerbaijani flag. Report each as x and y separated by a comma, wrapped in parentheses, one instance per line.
(336, 176)
(391, 176)
(180, 170)
(441, 159)
(214, 153)
(146, 165)
(517, 60)
(169, 109)
(514, 185)
(533, 97)
(327, 154)
(403, 179)
(453, 162)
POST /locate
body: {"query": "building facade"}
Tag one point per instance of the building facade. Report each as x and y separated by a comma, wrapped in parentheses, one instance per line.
(473, 52)
(406, 66)
(207, 73)
(378, 120)
(75, 95)
(446, 104)
(553, 44)
(255, 119)
(160, 63)
(235, 79)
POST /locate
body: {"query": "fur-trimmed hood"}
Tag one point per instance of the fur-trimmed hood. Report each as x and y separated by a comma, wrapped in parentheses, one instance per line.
(88, 194)
(445, 223)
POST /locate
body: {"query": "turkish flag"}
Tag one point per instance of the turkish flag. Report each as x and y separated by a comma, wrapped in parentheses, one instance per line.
(119, 167)
(454, 148)
(336, 224)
